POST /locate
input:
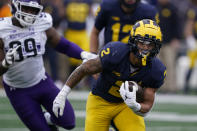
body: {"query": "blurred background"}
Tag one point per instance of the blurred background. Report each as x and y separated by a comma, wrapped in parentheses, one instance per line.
(176, 104)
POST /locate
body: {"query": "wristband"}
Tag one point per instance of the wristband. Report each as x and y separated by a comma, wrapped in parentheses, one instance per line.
(66, 89)
(136, 107)
(83, 54)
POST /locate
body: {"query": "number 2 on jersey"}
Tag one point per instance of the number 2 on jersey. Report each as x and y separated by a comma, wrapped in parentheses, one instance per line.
(105, 52)
(114, 90)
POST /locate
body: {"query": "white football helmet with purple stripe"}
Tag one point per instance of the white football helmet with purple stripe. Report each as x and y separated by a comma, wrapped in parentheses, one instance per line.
(26, 11)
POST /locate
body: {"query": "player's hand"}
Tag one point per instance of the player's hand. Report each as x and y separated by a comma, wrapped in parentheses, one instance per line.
(10, 57)
(60, 100)
(130, 97)
(87, 56)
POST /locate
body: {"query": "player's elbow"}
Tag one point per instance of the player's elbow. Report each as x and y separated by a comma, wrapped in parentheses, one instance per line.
(69, 127)
(143, 112)
(145, 107)
(85, 68)
(91, 66)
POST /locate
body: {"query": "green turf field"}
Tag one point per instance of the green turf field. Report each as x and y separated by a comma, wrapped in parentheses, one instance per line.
(169, 114)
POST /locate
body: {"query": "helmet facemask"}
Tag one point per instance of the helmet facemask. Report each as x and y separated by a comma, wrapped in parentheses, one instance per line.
(149, 36)
(27, 12)
(145, 54)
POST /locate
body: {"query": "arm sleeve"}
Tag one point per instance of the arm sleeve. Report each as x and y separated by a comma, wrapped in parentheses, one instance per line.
(66, 47)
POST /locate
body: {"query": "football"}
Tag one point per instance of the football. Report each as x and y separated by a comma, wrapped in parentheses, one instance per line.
(139, 92)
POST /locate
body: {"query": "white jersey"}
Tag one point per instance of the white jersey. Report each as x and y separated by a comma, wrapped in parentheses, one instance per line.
(28, 69)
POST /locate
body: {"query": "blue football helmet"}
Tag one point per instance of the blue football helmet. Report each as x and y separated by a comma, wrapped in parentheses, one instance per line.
(26, 11)
(148, 32)
(132, 4)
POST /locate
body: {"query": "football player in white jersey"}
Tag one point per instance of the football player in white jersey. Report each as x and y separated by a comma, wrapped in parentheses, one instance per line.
(28, 87)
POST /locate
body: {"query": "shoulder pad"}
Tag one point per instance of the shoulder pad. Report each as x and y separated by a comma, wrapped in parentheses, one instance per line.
(4, 21)
(158, 70)
(5, 25)
(113, 52)
(45, 21)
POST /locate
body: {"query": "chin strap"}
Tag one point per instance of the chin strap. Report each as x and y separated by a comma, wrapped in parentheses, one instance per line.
(144, 60)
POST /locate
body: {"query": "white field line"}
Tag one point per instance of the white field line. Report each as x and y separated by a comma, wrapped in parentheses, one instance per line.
(153, 116)
(160, 98)
(158, 128)
(171, 117)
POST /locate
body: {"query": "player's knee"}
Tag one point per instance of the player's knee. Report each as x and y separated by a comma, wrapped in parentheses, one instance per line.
(69, 127)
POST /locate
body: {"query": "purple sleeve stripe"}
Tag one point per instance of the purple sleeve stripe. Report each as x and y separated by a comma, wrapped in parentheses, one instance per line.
(70, 49)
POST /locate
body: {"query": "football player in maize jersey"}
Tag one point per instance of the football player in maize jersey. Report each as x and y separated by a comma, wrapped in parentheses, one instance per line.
(27, 85)
(117, 64)
(190, 33)
(77, 12)
(117, 17)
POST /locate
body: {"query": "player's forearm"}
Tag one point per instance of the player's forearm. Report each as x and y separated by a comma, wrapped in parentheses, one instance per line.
(145, 107)
(148, 101)
(90, 67)
(66, 47)
(144, 110)
(94, 41)
(77, 75)
(63, 45)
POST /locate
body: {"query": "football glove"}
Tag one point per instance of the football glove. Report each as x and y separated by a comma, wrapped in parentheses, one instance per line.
(87, 56)
(130, 97)
(59, 102)
(10, 57)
